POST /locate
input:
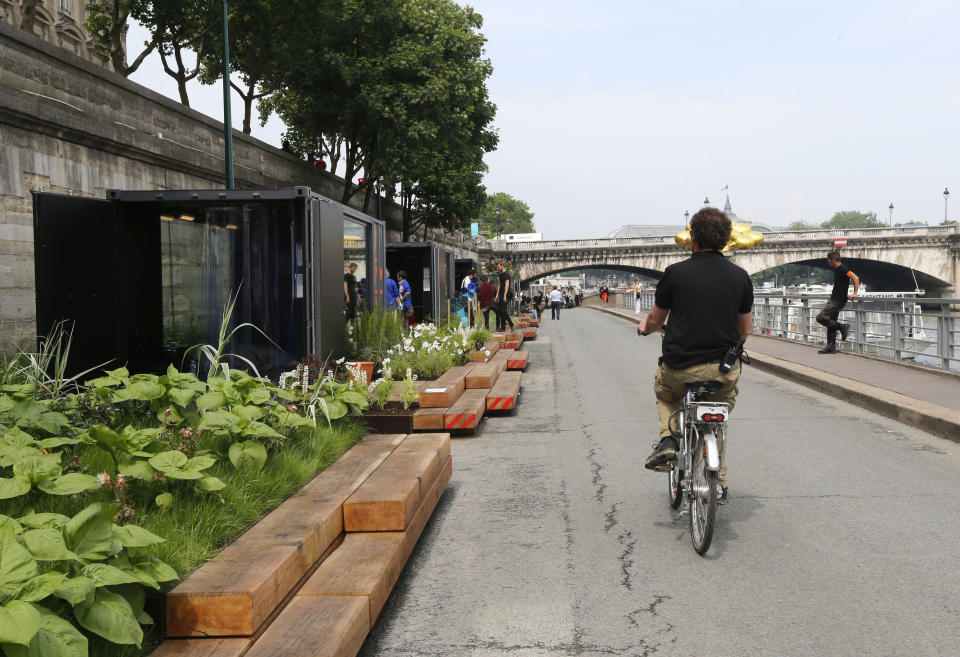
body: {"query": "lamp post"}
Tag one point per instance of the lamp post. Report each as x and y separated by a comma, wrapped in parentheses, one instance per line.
(946, 197)
(891, 213)
(686, 218)
(706, 200)
(496, 211)
(227, 120)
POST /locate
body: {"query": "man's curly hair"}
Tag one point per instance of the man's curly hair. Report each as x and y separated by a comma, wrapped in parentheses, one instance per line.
(711, 228)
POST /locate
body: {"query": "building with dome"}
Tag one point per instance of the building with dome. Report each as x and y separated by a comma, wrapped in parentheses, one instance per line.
(661, 230)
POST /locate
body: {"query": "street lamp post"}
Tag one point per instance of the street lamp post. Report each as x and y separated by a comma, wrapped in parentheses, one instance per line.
(686, 217)
(946, 197)
(496, 211)
(706, 200)
(891, 214)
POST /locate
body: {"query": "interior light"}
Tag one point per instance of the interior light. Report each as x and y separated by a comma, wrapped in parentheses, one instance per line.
(232, 226)
(165, 217)
(187, 217)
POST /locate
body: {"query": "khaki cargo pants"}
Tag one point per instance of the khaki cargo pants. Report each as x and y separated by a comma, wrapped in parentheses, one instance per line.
(670, 386)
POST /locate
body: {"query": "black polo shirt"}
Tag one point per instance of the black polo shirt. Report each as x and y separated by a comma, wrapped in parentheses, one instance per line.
(705, 295)
(841, 283)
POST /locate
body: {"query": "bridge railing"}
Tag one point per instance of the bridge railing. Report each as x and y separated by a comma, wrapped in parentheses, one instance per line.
(920, 331)
(898, 231)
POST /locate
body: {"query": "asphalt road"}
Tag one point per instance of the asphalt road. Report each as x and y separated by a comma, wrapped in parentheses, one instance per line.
(842, 536)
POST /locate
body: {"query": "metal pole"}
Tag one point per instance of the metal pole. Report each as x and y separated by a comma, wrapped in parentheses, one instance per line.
(227, 119)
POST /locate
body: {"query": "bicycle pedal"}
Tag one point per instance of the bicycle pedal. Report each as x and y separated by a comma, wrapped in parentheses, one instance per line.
(667, 467)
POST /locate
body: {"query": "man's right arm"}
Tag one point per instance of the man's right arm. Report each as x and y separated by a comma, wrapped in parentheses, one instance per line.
(745, 324)
(654, 321)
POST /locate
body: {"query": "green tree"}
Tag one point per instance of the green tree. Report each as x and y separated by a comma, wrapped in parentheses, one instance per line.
(853, 219)
(107, 25)
(395, 90)
(514, 216)
(801, 224)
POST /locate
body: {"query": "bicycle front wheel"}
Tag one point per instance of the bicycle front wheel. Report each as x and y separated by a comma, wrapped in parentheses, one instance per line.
(703, 503)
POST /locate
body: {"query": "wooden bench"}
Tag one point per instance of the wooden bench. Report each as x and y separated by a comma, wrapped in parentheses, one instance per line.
(497, 337)
(334, 611)
(529, 334)
(388, 498)
(428, 419)
(534, 323)
(517, 360)
(446, 390)
(503, 396)
(485, 374)
(465, 415)
(397, 394)
(513, 344)
(235, 593)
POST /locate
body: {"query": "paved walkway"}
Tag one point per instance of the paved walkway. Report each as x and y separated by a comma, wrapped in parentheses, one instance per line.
(553, 541)
(927, 399)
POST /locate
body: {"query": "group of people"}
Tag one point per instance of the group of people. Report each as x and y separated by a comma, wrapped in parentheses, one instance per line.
(496, 295)
(398, 295)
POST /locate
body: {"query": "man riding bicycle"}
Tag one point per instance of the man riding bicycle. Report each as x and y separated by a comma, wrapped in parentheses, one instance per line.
(709, 300)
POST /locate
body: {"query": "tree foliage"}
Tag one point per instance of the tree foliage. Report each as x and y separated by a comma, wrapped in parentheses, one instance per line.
(107, 25)
(853, 219)
(514, 215)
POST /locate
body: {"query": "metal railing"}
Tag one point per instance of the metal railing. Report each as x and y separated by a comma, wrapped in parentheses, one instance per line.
(778, 236)
(920, 331)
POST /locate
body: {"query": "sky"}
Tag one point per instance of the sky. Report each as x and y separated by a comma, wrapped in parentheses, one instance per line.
(633, 112)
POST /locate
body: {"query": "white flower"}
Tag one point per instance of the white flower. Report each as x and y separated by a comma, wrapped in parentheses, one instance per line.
(341, 360)
(103, 478)
(486, 352)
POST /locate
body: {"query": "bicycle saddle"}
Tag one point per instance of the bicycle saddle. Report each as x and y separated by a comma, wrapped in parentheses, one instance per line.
(703, 387)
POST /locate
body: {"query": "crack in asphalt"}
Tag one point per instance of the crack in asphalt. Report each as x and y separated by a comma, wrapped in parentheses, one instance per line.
(573, 648)
(597, 469)
(610, 517)
(649, 609)
(629, 544)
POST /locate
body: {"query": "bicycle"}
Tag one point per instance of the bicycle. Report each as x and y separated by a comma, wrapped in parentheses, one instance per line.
(693, 477)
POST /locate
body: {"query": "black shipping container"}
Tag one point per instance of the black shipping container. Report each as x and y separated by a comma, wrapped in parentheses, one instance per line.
(144, 275)
(430, 271)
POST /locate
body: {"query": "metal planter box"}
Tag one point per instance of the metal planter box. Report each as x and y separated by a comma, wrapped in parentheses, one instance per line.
(144, 275)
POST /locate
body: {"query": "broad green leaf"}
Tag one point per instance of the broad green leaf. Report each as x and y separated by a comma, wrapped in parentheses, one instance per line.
(260, 429)
(106, 437)
(68, 484)
(9, 527)
(38, 466)
(17, 565)
(212, 420)
(210, 484)
(19, 621)
(142, 391)
(169, 460)
(104, 574)
(258, 396)
(17, 437)
(211, 401)
(351, 397)
(76, 589)
(111, 617)
(10, 454)
(14, 487)
(164, 500)
(135, 536)
(34, 415)
(89, 533)
(119, 373)
(153, 568)
(47, 545)
(103, 382)
(248, 412)
(248, 454)
(138, 438)
(181, 396)
(138, 469)
(44, 520)
(55, 638)
(336, 409)
(40, 587)
(170, 415)
(201, 462)
(50, 443)
(136, 597)
(290, 419)
(144, 378)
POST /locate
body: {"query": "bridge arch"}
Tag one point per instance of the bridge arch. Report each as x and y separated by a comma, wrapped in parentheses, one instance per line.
(877, 275)
(632, 269)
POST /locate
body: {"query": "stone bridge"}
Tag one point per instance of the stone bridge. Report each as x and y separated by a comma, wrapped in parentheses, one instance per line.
(884, 258)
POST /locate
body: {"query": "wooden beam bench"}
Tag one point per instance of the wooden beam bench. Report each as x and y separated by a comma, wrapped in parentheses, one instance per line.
(466, 414)
(497, 337)
(446, 390)
(529, 333)
(484, 375)
(388, 498)
(235, 593)
(517, 360)
(428, 419)
(504, 395)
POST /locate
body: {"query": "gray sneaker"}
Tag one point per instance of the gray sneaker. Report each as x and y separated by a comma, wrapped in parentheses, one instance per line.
(723, 494)
(663, 453)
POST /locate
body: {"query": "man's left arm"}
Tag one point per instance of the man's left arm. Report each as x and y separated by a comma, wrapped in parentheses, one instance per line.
(653, 322)
(745, 324)
(856, 283)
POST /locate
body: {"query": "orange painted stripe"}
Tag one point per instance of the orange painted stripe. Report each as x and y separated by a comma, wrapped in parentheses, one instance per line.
(493, 402)
(452, 423)
(510, 403)
(470, 420)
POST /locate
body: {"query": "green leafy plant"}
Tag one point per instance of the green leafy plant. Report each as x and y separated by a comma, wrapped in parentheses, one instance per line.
(374, 333)
(43, 372)
(408, 392)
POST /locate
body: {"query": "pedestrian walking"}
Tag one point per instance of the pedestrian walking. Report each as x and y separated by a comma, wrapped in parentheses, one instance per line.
(604, 294)
(350, 292)
(406, 298)
(556, 300)
(485, 298)
(538, 303)
(638, 290)
(391, 293)
(504, 297)
(838, 299)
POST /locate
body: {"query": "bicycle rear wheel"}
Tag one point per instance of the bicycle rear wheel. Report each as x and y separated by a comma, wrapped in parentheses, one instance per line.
(703, 504)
